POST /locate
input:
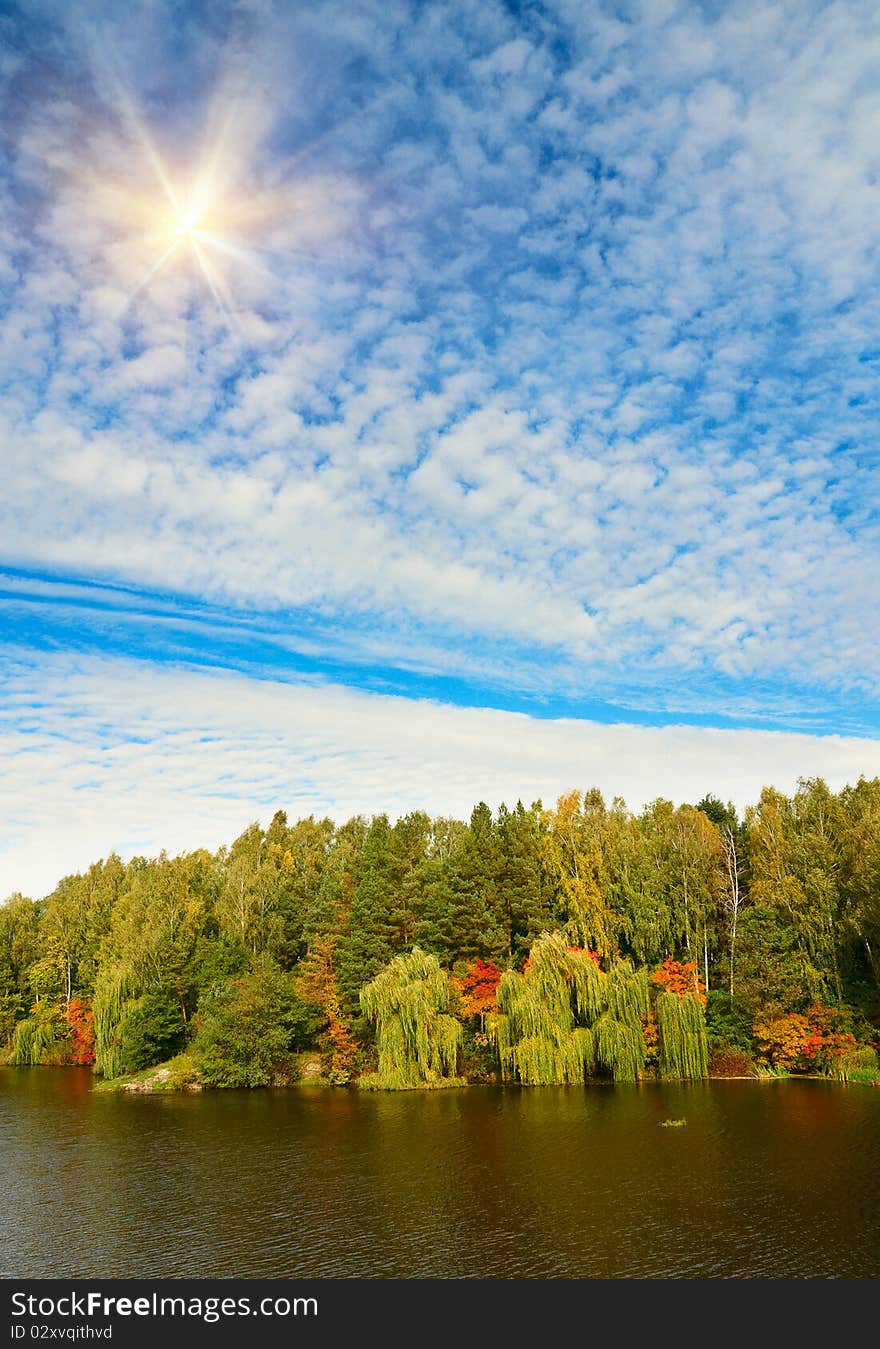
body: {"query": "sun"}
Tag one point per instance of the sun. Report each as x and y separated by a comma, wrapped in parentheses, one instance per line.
(186, 224)
(208, 214)
(189, 224)
(211, 216)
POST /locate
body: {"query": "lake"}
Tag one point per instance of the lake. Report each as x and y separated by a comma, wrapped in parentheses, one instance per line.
(766, 1179)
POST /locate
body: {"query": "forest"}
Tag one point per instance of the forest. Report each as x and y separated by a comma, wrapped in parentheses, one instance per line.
(531, 945)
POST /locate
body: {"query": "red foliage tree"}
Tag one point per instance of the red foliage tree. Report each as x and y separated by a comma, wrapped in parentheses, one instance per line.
(81, 1027)
(673, 976)
(317, 986)
(477, 988)
(804, 1042)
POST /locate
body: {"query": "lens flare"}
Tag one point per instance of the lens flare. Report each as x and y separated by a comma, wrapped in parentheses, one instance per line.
(186, 224)
(151, 218)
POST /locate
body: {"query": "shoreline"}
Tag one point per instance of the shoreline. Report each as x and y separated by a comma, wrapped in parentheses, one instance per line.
(160, 1081)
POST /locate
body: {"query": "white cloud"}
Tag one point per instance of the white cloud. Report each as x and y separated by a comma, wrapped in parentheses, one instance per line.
(565, 339)
(101, 754)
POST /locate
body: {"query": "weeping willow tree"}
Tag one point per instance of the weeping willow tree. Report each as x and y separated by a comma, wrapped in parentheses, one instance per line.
(416, 1037)
(114, 993)
(535, 1030)
(563, 1016)
(35, 1040)
(681, 1035)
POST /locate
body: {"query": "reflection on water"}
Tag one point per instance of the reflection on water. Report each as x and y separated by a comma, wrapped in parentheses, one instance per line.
(777, 1179)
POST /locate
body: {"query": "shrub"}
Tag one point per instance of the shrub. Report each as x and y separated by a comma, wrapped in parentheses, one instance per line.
(251, 1027)
(730, 1061)
(810, 1042)
(150, 1030)
(857, 1065)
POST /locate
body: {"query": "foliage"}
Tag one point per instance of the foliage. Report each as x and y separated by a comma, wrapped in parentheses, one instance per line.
(727, 1060)
(679, 978)
(39, 1038)
(249, 1028)
(477, 1056)
(562, 1016)
(857, 1064)
(416, 1037)
(477, 988)
(81, 1028)
(815, 1041)
(317, 986)
(150, 1030)
(113, 991)
(782, 1039)
(11, 1011)
(728, 1023)
(681, 1026)
(781, 910)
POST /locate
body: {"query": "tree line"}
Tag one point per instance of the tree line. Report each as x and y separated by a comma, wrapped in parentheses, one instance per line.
(541, 944)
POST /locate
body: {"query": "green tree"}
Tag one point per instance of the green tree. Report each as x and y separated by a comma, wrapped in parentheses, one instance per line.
(250, 1028)
(416, 1036)
(575, 860)
(563, 1015)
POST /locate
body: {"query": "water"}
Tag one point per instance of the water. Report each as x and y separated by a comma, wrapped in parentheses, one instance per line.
(778, 1179)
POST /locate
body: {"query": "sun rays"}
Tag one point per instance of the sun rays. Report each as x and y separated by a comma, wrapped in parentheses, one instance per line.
(188, 210)
(191, 226)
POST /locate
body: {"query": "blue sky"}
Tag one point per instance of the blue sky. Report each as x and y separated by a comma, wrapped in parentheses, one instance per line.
(534, 371)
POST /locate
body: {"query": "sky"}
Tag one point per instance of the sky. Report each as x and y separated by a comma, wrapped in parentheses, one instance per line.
(402, 404)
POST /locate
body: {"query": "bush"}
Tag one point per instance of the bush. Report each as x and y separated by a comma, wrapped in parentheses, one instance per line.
(150, 1030)
(727, 1023)
(729, 1061)
(250, 1028)
(478, 1057)
(811, 1042)
(857, 1065)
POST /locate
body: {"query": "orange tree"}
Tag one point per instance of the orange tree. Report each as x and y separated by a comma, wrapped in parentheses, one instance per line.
(804, 1042)
(81, 1028)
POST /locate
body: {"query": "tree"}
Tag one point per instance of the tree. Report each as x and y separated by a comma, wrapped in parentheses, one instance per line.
(796, 856)
(562, 1016)
(373, 930)
(477, 987)
(575, 860)
(317, 986)
(681, 1026)
(249, 1028)
(860, 883)
(19, 952)
(528, 905)
(81, 1029)
(464, 913)
(147, 982)
(416, 1037)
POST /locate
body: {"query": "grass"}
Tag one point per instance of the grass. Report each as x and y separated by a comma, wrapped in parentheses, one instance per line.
(182, 1074)
(177, 1074)
(866, 1077)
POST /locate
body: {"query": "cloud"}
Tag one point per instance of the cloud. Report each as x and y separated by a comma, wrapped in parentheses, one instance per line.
(106, 754)
(560, 353)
